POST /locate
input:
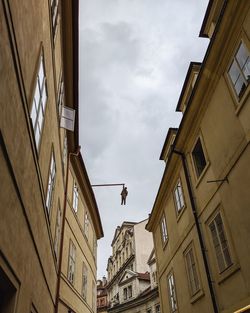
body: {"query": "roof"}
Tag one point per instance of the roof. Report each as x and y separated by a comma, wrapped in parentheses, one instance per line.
(143, 276)
(87, 191)
(191, 68)
(166, 142)
(120, 228)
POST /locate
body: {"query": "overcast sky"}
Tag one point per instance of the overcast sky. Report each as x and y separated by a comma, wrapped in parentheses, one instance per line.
(134, 55)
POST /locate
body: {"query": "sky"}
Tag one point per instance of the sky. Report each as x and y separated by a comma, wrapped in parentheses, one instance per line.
(134, 56)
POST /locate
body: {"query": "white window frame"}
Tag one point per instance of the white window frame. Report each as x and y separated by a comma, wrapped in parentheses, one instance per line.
(221, 247)
(39, 102)
(192, 271)
(172, 293)
(58, 230)
(75, 197)
(51, 182)
(240, 72)
(86, 224)
(71, 262)
(179, 197)
(84, 281)
(54, 16)
(164, 230)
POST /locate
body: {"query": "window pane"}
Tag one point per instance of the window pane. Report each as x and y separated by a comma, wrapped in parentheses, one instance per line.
(199, 158)
(242, 55)
(246, 70)
(234, 72)
(240, 86)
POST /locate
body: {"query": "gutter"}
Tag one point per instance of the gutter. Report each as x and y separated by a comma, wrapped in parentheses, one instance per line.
(198, 228)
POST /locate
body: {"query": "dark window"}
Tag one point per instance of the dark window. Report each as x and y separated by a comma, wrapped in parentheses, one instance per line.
(7, 294)
(199, 158)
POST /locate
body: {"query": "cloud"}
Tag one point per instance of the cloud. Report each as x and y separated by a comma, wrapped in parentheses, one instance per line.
(134, 55)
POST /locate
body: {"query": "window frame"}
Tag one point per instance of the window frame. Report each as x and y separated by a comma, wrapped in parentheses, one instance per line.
(73, 259)
(198, 289)
(54, 17)
(75, 197)
(38, 111)
(170, 295)
(163, 232)
(58, 228)
(84, 280)
(234, 60)
(226, 266)
(202, 173)
(181, 209)
(51, 182)
(86, 224)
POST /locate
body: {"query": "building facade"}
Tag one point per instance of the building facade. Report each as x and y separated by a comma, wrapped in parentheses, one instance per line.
(129, 288)
(200, 218)
(38, 160)
(102, 295)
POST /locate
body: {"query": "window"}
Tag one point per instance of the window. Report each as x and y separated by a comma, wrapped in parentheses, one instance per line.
(58, 230)
(172, 293)
(178, 197)
(130, 294)
(8, 293)
(75, 197)
(164, 233)
(157, 308)
(199, 158)
(86, 224)
(93, 296)
(51, 182)
(54, 15)
(220, 243)
(192, 272)
(39, 103)
(149, 310)
(65, 150)
(72, 262)
(239, 71)
(61, 97)
(125, 293)
(84, 281)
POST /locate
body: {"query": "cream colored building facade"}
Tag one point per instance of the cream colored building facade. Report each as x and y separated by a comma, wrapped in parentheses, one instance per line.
(39, 160)
(129, 286)
(200, 218)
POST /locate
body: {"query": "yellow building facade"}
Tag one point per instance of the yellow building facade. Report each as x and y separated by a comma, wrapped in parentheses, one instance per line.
(200, 218)
(47, 246)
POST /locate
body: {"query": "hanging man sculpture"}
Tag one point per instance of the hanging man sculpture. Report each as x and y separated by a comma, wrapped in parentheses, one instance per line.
(124, 194)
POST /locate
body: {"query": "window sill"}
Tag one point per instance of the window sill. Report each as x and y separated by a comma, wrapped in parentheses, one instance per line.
(228, 272)
(164, 244)
(197, 296)
(240, 102)
(199, 179)
(180, 213)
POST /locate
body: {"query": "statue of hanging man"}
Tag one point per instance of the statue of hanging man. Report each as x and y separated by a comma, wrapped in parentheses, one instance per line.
(124, 194)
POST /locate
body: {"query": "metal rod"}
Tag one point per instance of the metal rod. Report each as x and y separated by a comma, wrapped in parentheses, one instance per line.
(107, 185)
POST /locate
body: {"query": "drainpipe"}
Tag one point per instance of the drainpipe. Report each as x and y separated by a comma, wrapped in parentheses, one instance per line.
(63, 227)
(198, 228)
